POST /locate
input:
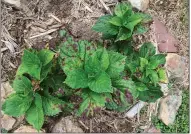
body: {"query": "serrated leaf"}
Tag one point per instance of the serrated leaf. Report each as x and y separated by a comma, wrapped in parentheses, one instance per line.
(156, 60)
(45, 56)
(38, 100)
(162, 75)
(123, 34)
(16, 105)
(124, 84)
(152, 94)
(101, 83)
(147, 50)
(77, 79)
(55, 82)
(35, 116)
(51, 105)
(154, 77)
(139, 29)
(104, 26)
(22, 85)
(103, 58)
(117, 21)
(143, 63)
(30, 64)
(70, 64)
(141, 86)
(121, 9)
(45, 70)
(83, 106)
(117, 64)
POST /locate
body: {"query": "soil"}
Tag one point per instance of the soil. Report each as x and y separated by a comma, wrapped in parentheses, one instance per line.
(78, 19)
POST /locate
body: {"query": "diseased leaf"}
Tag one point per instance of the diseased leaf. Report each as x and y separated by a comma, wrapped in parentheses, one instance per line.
(117, 21)
(45, 56)
(101, 83)
(117, 64)
(51, 105)
(77, 79)
(22, 85)
(16, 105)
(70, 64)
(103, 25)
(30, 64)
(55, 82)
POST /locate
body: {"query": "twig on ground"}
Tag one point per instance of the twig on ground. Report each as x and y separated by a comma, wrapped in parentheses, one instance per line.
(56, 18)
(43, 34)
(106, 7)
(87, 7)
(83, 124)
(90, 125)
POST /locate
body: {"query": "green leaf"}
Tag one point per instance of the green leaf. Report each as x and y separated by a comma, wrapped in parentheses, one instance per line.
(70, 64)
(117, 64)
(35, 115)
(30, 64)
(51, 105)
(162, 75)
(45, 56)
(147, 50)
(62, 33)
(22, 85)
(154, 77)
(101, 83)
(156, 60)
(16, 105)
(124, 84)
(121, 9)
(123, 34)
(55, 82)
(143, 63)
(93, 65)
(141, 86)
(77, 79)
(139, 29)
(103, 25)
(152, 94)
(83, 106)
(117, 21)
(103, 58)
(45, 70)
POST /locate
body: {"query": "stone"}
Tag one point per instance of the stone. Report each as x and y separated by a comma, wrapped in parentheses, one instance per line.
(140, 4)
(27, 129)
(67, 125)
(175, 65)
(169, 107)
(7, 122)
(164, 88)
(166, 42)
(135, 109)
(6, 90)
(153, 130)
(19, 4)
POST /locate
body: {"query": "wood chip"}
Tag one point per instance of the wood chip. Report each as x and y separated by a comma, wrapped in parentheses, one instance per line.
(105, 6)
(4, 49)
(56, 18)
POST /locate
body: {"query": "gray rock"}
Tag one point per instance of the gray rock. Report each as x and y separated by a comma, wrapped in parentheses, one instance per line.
(67, 124)
(169, 107)
(135, 109)
(140, 4)
(164, 88)
(7, 122)
(27, 129)
(6, 90)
